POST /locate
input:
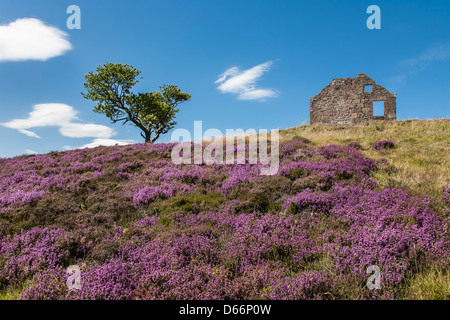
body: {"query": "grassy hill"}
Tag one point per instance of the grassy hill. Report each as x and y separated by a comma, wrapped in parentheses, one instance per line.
(141, 227)
(419, 161)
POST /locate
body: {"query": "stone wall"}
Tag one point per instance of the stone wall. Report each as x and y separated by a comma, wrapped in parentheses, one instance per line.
(345, 102)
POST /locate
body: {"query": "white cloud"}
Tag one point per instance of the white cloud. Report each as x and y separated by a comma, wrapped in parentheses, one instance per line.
(243, 83)
(58, 115)
(102, 142)
(29, 133)
(80, 130)
(233, 71)
(29, 151)
(257, 94)
(43, 115)
(31, 39)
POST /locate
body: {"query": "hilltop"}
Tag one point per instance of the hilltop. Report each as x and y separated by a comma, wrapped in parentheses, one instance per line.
(139, 226)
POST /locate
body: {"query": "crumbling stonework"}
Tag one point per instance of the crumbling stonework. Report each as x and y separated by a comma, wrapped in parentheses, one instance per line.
(345, 102)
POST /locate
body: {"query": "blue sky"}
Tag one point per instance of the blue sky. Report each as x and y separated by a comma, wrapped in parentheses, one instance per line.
(280, 53)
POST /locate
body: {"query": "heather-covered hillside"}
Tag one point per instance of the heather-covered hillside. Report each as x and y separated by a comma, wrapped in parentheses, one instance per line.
(141, 227)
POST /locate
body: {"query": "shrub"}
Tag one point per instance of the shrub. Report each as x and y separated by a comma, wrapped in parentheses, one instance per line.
(165, 231)
(383, 145)
(354, 145)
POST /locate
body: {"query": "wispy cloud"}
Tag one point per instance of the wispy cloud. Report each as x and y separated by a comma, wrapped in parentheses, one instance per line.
(29, 151)
(243, 83)
(437, 53)
(102, 142)
(58, 115)
(31, 39)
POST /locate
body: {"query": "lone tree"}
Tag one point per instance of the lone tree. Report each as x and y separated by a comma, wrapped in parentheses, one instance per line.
(152, 112)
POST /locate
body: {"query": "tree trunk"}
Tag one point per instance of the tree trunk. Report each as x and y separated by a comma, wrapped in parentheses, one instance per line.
(147, 137)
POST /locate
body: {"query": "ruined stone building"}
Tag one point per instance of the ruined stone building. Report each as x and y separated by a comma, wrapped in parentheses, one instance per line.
(350, 101)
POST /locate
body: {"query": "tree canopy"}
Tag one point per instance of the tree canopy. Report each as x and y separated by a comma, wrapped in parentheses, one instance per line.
(152, 112)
